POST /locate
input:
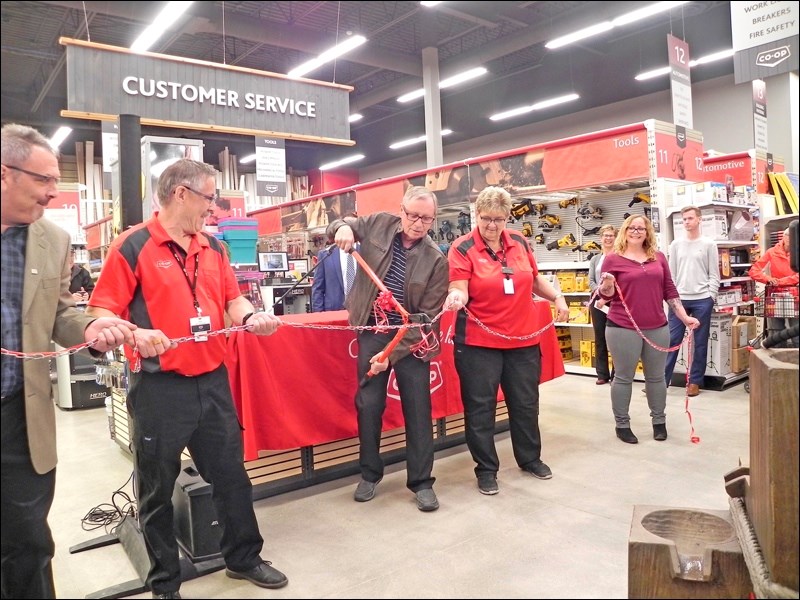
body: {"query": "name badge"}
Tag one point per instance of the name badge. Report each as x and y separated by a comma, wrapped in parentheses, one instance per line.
(508, 286)
(200, 326)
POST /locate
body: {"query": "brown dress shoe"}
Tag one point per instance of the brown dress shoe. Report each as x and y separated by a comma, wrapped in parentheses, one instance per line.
(693, 389)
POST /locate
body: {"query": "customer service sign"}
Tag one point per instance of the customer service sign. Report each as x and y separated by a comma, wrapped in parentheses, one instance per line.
(106, 81)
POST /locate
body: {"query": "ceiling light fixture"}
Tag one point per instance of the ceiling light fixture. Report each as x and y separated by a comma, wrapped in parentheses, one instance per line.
(165, 19)
(355, 117)
(538, 106)
(446, 83)
(429, 3)
(415, 140)
(59, 136)
(627, 18)
(723, 54)
(341, 161)
(338, 50)
(643, 13)
(247, 159)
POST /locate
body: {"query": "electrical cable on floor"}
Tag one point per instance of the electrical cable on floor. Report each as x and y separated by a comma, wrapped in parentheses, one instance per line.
(106, 515)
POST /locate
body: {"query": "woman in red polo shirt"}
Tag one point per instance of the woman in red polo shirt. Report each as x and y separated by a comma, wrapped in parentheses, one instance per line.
(494, 275)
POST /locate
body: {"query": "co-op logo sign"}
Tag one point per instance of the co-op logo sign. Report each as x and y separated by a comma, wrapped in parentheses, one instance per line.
(392, 390)
(773, 57)
(437, 381)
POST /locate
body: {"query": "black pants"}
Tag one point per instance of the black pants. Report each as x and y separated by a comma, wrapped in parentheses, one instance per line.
(600, 348)
(170, 412)
(481, 372)
(413, 383)
(27, 542)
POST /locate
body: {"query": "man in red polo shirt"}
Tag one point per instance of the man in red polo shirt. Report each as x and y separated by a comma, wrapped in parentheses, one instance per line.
(174, 281)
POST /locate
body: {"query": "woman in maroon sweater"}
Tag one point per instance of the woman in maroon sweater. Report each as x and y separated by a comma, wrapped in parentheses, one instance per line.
(638, 279)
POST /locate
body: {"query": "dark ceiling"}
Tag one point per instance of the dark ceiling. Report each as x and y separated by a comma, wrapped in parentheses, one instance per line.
(505, 37)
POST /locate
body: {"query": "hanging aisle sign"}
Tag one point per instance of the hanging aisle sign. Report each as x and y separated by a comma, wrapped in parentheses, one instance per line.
(270, 167)
(680, 81)
(760, 114)
(170, 91)
(765, 39)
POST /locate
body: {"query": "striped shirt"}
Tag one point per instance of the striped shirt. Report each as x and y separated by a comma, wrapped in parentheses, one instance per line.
(396, 278)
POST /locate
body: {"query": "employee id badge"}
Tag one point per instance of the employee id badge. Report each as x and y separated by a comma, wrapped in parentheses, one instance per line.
(200, 326)
(508, 286)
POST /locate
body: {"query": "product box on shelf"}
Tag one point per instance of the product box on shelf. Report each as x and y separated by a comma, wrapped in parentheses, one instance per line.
(724, 262)
(749, 324)
(708, 192)
(683, 195)
(587, 353)
(718, 361)
(714, 223)
(739, 335)
(744, 194)
(742, 226)
(719, 345)
(566, 281)
(578, 313)
(740, 359)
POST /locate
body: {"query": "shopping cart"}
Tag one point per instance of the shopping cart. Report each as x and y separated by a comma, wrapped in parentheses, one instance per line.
(776, 302)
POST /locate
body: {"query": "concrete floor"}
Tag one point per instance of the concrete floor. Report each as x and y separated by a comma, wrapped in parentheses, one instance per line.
(562, 538)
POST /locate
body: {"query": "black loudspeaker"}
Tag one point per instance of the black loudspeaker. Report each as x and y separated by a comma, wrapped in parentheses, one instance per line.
(196, 526)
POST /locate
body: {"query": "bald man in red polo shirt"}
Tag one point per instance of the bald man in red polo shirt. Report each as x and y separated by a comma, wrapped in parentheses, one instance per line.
(175, 281)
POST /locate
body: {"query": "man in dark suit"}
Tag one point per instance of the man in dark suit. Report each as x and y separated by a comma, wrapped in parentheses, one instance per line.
(81, 283)
(329, 289)
(37, 307)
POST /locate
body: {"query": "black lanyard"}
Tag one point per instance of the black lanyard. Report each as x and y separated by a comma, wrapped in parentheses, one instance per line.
(192, 282)
(505, 270)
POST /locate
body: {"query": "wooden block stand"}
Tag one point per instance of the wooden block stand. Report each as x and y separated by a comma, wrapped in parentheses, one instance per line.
(685, 553)
(772, 497)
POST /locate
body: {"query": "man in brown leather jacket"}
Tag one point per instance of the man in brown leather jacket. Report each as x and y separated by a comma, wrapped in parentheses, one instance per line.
(400, 253)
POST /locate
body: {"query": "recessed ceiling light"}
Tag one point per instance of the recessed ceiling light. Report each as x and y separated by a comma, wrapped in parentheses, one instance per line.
(341, 162)
(415, 140)
(338, 50)
(538, 106)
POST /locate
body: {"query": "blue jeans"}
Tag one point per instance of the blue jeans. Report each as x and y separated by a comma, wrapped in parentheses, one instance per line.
(700, 310)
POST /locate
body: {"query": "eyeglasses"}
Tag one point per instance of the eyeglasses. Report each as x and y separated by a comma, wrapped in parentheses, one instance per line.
(493, 221)
(414, 217)
(210, 197)
(637, 229)
(609, 235)
(44, 179)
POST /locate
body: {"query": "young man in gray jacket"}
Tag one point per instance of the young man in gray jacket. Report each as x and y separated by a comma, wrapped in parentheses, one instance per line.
(694, 264)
